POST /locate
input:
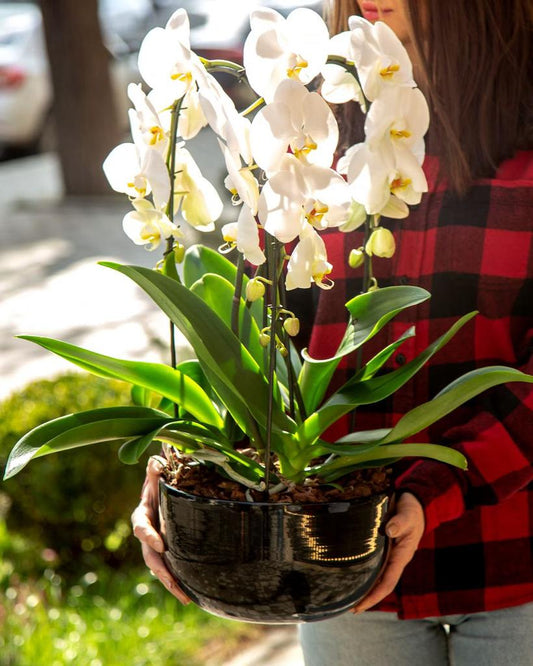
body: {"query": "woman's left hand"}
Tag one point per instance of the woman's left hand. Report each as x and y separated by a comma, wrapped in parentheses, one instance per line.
(406, 528)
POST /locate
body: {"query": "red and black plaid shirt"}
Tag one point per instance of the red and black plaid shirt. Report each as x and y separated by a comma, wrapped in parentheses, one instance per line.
(471, 254)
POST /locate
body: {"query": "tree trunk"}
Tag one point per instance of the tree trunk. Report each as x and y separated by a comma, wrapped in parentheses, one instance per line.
(84, 111)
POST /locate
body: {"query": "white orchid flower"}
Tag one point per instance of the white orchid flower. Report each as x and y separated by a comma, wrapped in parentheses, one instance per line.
(240, 181)
(137, 173)
(148, 225)
(278, 48)
(298, 120)
(339, 86)
(400, 115)
(380, 57)
(384, 180)
(299, 195)
(309, 262)
(146, 126)
(245, 235)
(170, 68)
(194, 195)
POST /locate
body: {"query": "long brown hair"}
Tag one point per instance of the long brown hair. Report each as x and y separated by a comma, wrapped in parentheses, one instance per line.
(476, 67)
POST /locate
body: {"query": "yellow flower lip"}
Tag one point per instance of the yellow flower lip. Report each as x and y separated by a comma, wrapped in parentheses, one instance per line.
(400, 184)
(294, 72)
(400, 134)
(389, 71)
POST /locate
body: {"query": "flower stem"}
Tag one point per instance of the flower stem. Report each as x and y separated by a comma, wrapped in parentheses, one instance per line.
(235, 306)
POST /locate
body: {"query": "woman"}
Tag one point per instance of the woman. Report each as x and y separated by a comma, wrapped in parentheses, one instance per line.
(460, 575)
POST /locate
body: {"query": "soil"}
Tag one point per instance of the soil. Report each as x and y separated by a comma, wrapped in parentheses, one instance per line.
(204, 481)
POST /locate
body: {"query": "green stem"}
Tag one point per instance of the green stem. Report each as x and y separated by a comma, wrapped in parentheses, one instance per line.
(235, 306)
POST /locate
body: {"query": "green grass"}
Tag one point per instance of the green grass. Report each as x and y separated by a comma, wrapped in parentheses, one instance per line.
(109, 618)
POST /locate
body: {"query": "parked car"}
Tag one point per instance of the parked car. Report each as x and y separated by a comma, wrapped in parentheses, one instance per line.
(25, 84)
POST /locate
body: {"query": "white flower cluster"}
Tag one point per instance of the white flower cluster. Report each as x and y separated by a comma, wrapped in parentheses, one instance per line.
(292, 140)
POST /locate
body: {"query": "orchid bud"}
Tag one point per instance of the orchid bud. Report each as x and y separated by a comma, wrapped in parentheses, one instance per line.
(255, 289)
(292, 326)
(381, 243)
(264, 339)
(356, 258)
(179, 253)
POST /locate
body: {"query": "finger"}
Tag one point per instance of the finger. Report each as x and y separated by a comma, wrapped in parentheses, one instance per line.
(156, 564)
(401, 554)
(144, 530)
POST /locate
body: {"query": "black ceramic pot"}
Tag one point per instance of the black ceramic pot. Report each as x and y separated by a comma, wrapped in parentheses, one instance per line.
(273, 563)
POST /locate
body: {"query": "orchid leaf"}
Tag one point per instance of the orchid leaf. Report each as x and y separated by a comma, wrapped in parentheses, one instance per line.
(385, 454)
(456, 393)
(369, 313)
(163, 379)
(378, 361)
(218, 294)
(219, 351)
(355, 393)
(91, 427)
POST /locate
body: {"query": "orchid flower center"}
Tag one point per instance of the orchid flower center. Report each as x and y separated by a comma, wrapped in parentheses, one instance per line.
(156, 134)
(389, 71)
(294, 71)
(186, 77)
(400, 134)
(400, 184)
(139, 185)
(308, 146)
(314, 217)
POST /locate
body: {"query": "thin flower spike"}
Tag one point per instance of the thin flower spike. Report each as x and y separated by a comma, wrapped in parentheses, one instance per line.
(339, 85)
(277, 48)
(148, 225)
(380, 57)
(194, 195)
(245, 235)
(298, 120)
(137, 173)
(300, 195)
(308, 262)
(401, 116)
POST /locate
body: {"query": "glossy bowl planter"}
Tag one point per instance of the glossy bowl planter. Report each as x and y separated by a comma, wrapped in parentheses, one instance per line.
(273, 563)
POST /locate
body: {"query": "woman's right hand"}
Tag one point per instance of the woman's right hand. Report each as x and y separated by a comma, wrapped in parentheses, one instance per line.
(145, 519)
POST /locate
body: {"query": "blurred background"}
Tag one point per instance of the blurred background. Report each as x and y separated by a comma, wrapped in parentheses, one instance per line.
(73, 588)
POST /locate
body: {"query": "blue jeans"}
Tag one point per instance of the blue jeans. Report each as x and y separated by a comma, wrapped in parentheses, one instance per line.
(495, 638)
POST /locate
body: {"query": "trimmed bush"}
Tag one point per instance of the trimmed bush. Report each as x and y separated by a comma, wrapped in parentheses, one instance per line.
(75, 506)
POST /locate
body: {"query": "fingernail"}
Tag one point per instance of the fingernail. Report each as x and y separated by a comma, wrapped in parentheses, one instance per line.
(392, 531)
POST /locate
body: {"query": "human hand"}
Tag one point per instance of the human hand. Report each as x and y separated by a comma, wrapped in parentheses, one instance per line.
(406, 528)
(144, 520)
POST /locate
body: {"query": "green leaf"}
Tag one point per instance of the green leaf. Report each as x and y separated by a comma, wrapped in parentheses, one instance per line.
(378, 361)
(169, 267)
(355, 393)
(452, 396)
(389, 452)
(369, 313)
(163, 379)
(218, 293)
(219, 351)
(90, 427)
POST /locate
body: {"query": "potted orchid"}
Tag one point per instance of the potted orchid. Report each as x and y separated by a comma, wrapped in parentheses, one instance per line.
(262, 515)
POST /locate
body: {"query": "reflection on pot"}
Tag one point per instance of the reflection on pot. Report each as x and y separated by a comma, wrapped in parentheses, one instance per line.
(273, 563)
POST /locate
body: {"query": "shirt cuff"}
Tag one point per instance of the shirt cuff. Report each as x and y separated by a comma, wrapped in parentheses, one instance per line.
(437, 488)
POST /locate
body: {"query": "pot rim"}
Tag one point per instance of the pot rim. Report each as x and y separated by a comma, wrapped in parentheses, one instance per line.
(369, 499)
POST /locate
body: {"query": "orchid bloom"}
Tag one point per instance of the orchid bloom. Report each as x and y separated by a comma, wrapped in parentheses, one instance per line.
(169, 67)
(240, 181)
(298, 120)
(380, 57)
(137, 173)
(308, 262)
(277, 48)
(299, 195)
(194, 195)
(245, 235)
(146, 126)
(340, 86)
(400, 115)
(147, 225)
(384, 180)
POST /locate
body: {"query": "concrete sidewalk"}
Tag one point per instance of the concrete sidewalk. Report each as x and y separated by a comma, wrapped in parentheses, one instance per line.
(51, 285)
